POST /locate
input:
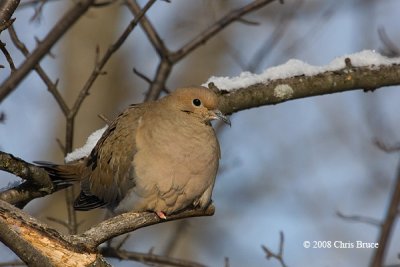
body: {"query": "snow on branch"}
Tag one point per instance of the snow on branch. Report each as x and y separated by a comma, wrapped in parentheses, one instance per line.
(295, 67)
(365, 70)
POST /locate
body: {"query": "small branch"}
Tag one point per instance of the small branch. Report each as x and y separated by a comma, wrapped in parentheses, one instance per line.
(387, 227)
(128, 222)
(7, 9)
(38, 10)
(42, 49)
(390, 50)
(219, 25)
(22, 194)
(357, 218)
(168, 58)
(278, 256)
(149, 29)
(147, 258)
(7, 55)
(51, 87)
(385, 147)
(306, 86)
(26, 171)
(101, 63)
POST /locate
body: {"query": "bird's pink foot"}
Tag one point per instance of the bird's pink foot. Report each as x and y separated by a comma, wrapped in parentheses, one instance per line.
(161, 215)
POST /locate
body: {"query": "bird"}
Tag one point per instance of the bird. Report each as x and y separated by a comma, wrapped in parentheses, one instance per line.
(160, 156)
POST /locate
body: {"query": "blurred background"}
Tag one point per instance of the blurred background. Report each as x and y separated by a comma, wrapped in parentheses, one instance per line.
(289, 167)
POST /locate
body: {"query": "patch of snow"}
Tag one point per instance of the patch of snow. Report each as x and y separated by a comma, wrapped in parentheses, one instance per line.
(296, 67)
(87, 148)
(283, 91)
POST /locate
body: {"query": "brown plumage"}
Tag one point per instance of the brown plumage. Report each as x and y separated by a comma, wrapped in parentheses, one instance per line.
(160, 156)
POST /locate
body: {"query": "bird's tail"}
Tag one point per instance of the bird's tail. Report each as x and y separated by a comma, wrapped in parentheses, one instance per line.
(62, 176)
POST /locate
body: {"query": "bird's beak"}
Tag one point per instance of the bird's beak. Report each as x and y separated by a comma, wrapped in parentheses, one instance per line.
(217, 115)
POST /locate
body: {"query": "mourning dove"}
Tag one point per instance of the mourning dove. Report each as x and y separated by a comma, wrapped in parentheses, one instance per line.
(159, 156)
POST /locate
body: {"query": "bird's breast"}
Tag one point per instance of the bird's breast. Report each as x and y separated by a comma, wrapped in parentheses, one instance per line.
(174, 154)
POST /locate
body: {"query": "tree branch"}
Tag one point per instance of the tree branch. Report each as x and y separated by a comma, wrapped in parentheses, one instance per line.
(7, 9)
(44, 47)
(147, 258)
(26, 171)
(35, 242)
(51, 87)
(387, 226)
(350, 78)
(168, 58)
(128, 222)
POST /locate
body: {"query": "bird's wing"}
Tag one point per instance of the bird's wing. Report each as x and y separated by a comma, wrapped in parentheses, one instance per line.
(109, 171)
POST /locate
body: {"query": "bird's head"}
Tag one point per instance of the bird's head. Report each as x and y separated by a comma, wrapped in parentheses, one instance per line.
(200, 102)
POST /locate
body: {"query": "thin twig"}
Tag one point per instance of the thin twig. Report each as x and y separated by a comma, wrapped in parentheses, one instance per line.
(278, 256)
(38, 10)
(7, 55)
(272, 40)
(147, 258)
(217, 27)
(385, 147)
(357, 218)
(51, 87)
(102, 62)
(390, 50)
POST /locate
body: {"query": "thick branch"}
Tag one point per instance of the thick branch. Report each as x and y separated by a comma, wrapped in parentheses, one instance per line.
(35, 242)
(281, 90)
(26, 171)
(7, 9)
(44, 47)
(128, 222)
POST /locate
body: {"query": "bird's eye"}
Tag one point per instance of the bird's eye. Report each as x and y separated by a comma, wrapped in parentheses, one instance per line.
(196, 102)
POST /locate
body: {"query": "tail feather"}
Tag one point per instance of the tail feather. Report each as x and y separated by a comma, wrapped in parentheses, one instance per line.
(62, 176)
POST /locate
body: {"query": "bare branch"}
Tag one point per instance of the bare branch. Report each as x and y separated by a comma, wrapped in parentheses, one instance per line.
(168, 58)
(385, 147)
(101, 63)
(26, 171)
(392, 214)
(147, 258)
(390, 50)
(219, 25)
(278, 256)
(129, 222)
(256, 95)
(33, 240)
(7, 55)
(43, 48)
(149, 30)
(51, 87)
(357, 218)
(7, 9)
